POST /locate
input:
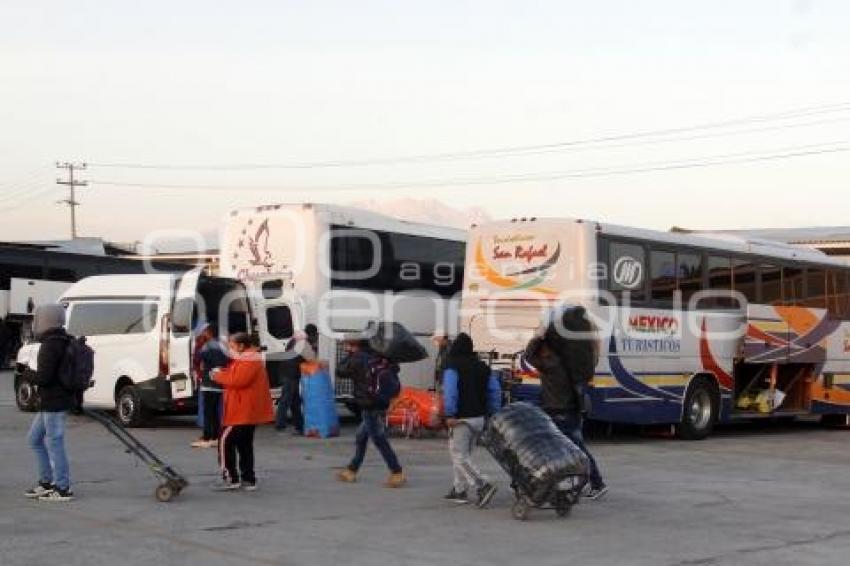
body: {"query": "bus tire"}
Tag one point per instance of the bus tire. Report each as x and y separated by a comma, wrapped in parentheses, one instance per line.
(699, 411)
(128, 407)
(26, 394)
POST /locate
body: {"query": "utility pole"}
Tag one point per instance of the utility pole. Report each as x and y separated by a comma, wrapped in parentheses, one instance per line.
(72, 183)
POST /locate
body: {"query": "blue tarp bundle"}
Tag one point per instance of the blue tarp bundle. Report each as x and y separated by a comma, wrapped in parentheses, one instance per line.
(317, 393)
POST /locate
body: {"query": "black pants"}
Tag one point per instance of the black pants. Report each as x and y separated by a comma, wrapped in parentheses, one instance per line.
(238, 441)
(290, 403)
(212, 414)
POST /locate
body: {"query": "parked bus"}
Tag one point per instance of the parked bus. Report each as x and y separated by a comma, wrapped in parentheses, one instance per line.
(32, 275)
(341, 268)
(692, 330)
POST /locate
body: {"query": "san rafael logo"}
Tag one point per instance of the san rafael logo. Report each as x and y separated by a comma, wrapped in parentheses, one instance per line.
(628, 273)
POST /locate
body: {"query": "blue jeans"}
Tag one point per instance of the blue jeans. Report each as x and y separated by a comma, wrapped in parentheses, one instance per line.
(47, 440)
(372, 426)
(571, 426)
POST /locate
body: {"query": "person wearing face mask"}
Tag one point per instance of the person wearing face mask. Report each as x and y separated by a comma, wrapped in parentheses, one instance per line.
(247, 403)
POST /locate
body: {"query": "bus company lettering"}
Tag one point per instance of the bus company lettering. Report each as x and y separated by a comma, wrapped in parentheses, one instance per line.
(512, 239)
(654, 324)
(650, 345)
(524, 253)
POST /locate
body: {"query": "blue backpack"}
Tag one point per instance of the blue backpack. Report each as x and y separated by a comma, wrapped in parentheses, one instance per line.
(77, 367)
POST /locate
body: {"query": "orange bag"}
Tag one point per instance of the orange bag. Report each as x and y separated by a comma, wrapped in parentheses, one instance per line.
(416, 408)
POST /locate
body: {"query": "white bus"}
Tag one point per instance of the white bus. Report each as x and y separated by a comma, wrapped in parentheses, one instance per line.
(340, 268)
(692, 330)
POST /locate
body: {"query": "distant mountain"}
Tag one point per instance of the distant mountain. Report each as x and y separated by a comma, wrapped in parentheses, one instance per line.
(429, 211)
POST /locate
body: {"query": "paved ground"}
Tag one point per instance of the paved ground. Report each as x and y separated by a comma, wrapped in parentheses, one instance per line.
(750, 495)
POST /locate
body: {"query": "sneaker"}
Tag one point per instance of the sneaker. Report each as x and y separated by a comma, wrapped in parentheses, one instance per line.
(456, 496)
(596, 493)
(39, 490)
(249, 485)
(347, 476)
(57, 494)
(485, 495)
(395, 480)
(226, 485)
(200, 443)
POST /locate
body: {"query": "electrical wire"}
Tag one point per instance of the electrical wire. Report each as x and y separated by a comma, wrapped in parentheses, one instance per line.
(632, 137)
(705, 161)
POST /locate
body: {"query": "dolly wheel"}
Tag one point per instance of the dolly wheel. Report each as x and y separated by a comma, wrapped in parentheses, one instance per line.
(563, 505)
(165, 493)
(520, 510)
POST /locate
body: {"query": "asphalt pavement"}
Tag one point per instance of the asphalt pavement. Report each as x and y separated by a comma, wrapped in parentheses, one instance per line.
(750, 495)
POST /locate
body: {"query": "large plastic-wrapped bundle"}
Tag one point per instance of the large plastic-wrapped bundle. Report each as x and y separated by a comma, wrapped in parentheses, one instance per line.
(393, 341)
(531, 449)
(317, 394)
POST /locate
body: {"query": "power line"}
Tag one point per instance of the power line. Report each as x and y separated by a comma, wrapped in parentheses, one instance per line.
(29, 198)
(634, 137)
(706, 161)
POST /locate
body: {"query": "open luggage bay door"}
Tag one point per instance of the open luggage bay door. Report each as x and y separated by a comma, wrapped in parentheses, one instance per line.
(276, 312)
(180, 335)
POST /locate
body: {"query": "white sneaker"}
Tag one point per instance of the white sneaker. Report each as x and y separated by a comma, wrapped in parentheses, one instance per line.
(225, 485)
(39, 490)
(57, 495)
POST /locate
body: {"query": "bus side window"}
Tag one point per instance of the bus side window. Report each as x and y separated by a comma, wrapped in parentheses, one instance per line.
(815, 288)
(770, 284)
(792, 284)
(836, 292)
(720, 282)
(662, 272)
(689, 267)
(744, 278)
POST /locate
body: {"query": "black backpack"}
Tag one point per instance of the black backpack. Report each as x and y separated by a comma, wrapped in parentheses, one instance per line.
(77, 367)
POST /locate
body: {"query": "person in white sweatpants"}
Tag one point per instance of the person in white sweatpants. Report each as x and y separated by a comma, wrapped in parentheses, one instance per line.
(471, 392)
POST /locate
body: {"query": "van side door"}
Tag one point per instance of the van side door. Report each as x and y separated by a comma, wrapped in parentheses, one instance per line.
(180, 334)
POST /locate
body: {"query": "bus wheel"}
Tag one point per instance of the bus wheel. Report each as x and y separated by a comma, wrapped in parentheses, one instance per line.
(699, 412)
(128, 406)
(26, 397)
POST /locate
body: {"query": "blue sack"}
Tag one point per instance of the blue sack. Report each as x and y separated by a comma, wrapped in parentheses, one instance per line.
(317, 394)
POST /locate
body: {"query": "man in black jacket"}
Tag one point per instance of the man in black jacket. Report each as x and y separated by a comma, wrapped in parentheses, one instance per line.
(47, 433)
(565, 357)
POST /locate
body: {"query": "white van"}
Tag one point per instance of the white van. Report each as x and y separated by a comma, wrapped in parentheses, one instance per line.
(140, 327)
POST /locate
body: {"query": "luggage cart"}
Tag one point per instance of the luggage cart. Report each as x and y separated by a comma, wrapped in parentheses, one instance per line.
(171, 483)
(529, 492)
(560, 498)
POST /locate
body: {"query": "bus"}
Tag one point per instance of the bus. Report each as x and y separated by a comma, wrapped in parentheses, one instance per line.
(342, 268)
(692, 330)
(33, 275)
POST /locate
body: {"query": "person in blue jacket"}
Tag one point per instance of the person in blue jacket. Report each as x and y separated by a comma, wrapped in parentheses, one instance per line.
(471, 392)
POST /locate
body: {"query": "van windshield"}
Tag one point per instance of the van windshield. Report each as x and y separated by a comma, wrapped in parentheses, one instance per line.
(98, 319)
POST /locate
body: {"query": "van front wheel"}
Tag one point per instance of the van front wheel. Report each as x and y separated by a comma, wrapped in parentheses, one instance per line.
(128, 406)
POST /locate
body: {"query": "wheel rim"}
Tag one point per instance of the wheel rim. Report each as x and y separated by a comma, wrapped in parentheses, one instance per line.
(699, 412)
(126, 408)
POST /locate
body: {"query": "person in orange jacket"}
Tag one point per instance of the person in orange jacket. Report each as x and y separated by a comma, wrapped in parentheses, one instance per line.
(247, 403)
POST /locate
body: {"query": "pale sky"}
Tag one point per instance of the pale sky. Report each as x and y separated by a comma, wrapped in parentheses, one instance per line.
(277, 82)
